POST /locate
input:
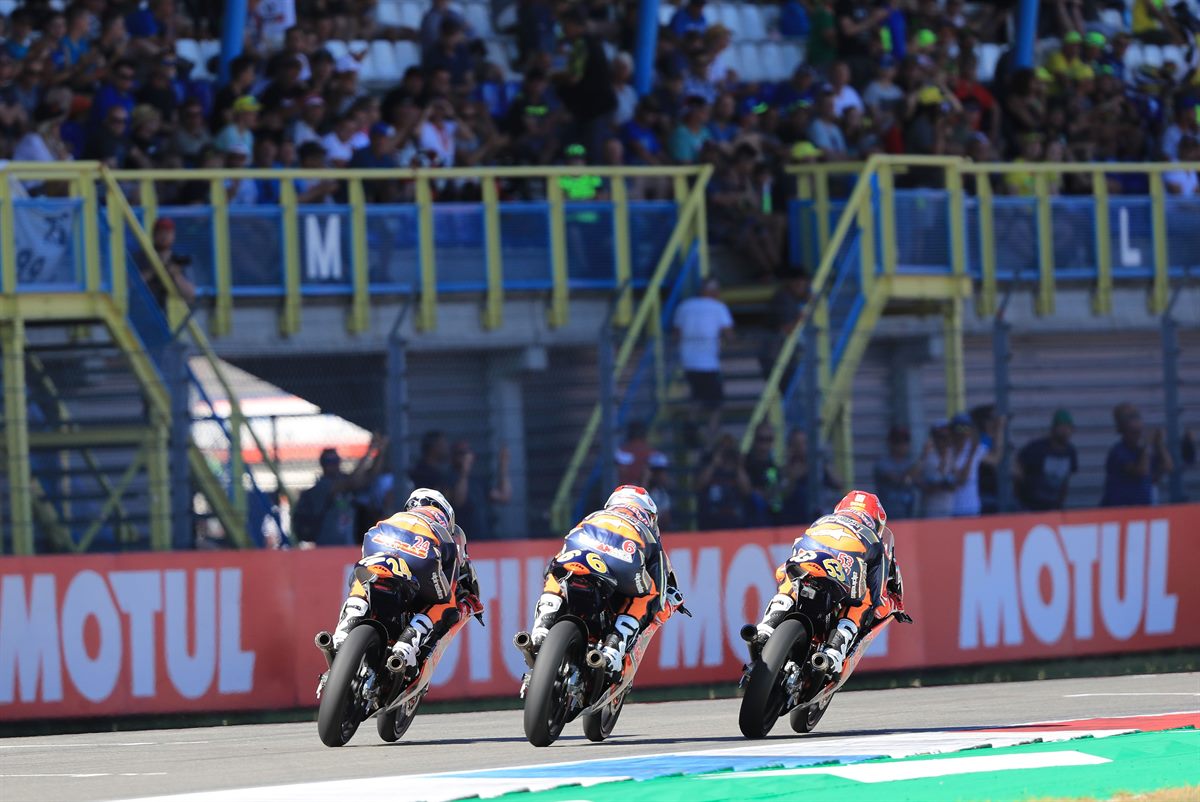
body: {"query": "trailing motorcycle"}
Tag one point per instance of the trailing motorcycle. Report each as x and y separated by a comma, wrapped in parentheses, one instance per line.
(792, 675)
(364, 678)
(569, 676)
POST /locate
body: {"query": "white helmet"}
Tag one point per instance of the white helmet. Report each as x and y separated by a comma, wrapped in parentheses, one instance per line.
(636, 497)
(426, 497)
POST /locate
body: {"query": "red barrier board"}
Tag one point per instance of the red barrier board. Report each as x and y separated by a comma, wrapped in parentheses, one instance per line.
(112, 635)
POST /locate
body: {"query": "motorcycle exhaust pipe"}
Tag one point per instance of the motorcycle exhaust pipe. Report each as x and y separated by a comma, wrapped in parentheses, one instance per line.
(324, 642)
(822, 662)
(396, 665)
(748, 632)
(595, 659)
(524, 643)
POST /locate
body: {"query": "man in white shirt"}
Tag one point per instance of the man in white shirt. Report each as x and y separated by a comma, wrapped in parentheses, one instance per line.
(701, 324)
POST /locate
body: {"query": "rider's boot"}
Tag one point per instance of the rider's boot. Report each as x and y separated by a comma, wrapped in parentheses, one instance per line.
(543, 617)
(838, 644)
(408, 645)
(353, 611)
(617, 645)
(777, 609)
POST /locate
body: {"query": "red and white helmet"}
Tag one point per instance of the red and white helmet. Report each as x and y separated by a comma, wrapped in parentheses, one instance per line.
(635, 497)
(864, 506)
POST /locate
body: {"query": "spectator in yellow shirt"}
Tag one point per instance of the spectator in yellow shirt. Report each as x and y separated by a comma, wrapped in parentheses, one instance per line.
(1022, 182)
(1153, 23)
(1062, 61)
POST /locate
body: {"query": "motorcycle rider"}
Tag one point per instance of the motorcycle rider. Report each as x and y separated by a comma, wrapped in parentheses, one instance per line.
(426, 513)
(628, 506)
(860, 515)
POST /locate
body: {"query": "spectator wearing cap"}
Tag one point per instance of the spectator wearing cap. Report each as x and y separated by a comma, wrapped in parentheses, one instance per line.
(1066, 58)
(882, 95)
(701, 324)
(1135, 462)
(691, 132)
(324, 514)
(163, 236)
(689, 18)
(307, 127)
(824, 131)
(1044, 466)
(240, 191)
(938, 473)
(658, 485)
(242, 74)
(240, 130)
(896, 475)
(971, 448)
(584, 86)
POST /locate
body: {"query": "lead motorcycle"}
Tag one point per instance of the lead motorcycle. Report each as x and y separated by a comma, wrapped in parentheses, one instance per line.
(364, 678)
(568, 676)
(792, 675)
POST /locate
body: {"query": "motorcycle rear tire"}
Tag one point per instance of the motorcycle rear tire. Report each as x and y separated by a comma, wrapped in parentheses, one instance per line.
(545, 700)
(341, 710)
(598, 726)
(764, 701)
(392, 726)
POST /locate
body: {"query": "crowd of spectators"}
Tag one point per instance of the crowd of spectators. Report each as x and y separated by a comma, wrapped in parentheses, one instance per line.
(102, 80)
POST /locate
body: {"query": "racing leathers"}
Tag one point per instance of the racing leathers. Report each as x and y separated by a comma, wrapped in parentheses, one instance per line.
(652, 594)
(849, 533)
(420, 532)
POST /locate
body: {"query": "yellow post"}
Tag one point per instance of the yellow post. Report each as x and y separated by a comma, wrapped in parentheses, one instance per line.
(987, 245)
(427, 309)
(16, 434)
(1102, 302)
(237, 465)
(91, 234)
(804, 192)
(702, 240)
(117, 256)
(558, 253)
(289, 318)
(1160, 290)
(159, 473)
(1045, 236)
(149, 202)
(8, 237)
(821, 178)
(958, 221)
(952, 332)
(887, 217)
(360, 304)
(866, 241)
(493, 305)
(620, 201)
(222, 319)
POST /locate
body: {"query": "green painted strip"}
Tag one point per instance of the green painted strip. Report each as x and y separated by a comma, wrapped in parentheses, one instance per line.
(1135, 763)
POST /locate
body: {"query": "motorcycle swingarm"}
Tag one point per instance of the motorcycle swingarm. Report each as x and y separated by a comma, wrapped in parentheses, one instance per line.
(852, 659)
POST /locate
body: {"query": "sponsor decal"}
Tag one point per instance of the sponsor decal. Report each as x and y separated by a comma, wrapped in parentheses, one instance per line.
(420, 548)
(629, 547)
(121, 634)
(624, 555)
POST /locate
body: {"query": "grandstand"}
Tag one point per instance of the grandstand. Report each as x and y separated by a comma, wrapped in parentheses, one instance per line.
(530, 320)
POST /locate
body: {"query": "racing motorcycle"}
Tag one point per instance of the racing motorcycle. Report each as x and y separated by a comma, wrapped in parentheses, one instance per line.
(364, 678)
(569, 676)
(792, 675)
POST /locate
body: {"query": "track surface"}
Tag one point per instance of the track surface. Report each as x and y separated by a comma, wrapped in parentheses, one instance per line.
(130, 764)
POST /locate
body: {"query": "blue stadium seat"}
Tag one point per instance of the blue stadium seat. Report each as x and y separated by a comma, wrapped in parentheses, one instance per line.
(665, 12)
(480, 19)
(380, 65)
(751, 61)
(388, 13)
(754, 24)
(1152, 56)
(989, 56)
(407, 54)
(411, 13)
(726, 14)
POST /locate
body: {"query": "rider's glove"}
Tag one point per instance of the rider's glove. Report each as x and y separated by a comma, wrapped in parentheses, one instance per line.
(674, 597)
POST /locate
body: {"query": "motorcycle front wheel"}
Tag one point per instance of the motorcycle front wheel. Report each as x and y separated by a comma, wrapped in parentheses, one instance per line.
(765, 695)
(342, 706)
(546, 698)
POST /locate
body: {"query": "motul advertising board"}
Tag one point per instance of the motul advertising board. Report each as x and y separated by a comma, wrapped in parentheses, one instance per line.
(157, 633)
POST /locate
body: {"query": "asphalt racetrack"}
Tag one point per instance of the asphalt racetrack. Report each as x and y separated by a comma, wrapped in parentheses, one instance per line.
(126, 765)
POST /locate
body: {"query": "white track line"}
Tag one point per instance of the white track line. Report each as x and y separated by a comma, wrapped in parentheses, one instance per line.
(1083, 695)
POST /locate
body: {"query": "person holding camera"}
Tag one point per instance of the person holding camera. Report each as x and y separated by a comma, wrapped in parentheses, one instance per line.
(176, 265)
